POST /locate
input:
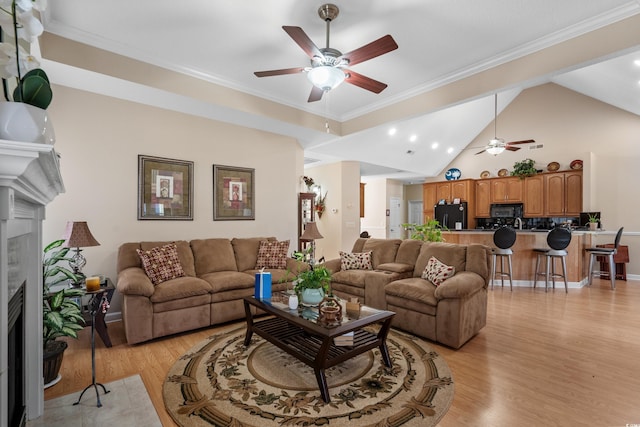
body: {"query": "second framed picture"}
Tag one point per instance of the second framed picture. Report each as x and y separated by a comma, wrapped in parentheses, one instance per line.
(233, 193)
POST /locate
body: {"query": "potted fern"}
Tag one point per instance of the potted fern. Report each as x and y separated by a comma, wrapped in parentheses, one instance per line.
(61, 313)
(431, 231)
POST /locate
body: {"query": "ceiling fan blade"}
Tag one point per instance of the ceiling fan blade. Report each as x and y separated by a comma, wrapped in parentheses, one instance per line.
(316, 94)
(375, 48)
(300, 37)
(527, 141)
(279, 72)
(508, 147)
(364, 82)
(480, 152)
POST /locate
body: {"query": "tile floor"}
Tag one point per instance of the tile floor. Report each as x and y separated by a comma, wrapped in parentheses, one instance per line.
(126, 405)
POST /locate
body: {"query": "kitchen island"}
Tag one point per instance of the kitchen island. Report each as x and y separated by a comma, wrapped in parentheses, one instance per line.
(524, 259)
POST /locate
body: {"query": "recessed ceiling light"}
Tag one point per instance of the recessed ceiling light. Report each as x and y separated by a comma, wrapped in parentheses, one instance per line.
(637, 62)
(392, 131)
(413, 138)
(434, 145)
(411, 152)
(450, 150)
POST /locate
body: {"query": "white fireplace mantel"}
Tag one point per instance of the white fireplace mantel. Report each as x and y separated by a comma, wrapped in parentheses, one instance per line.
(29, 179)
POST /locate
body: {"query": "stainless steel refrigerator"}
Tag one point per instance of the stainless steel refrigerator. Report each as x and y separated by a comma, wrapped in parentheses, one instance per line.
(453, 217)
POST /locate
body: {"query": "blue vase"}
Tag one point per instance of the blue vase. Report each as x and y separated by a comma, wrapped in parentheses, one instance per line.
(312, 296)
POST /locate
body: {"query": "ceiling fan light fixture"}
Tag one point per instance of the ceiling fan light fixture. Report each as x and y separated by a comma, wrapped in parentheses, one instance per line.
(325, 77)
(496, 146)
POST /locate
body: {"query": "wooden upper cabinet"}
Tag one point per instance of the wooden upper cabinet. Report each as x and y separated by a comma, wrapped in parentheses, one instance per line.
(461, 189)
(429, 198)
(506, 190)
(563, 194)
(483, 198)
(534, 196)
(573, 193)
(443, 191)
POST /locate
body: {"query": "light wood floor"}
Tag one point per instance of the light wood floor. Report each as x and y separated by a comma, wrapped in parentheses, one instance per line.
(543, 359)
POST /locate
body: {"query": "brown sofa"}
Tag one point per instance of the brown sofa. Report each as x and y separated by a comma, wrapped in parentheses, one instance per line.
(219, 273)
(450, 313)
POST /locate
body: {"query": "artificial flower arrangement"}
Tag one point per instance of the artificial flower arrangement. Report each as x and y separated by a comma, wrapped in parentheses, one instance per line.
(320, 204)
(18, 22)
(308, 181)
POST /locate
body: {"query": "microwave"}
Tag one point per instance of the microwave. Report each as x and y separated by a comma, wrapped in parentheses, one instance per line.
(511, 210)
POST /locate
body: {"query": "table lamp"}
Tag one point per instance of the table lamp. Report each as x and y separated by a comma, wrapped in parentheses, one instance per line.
(311, 233)
(77, 235)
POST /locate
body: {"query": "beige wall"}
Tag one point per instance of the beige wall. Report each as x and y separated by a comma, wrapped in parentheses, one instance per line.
(99, 139)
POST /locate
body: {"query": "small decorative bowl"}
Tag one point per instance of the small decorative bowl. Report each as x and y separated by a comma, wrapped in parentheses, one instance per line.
(553, 166)
(576, 164)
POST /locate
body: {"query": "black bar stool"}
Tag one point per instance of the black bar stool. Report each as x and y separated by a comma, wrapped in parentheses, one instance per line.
(557, 239)
(606, 252)
(504, 238)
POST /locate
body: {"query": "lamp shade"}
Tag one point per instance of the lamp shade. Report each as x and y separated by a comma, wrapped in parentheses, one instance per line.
(77, 235)
(311, 232)
(325, 77)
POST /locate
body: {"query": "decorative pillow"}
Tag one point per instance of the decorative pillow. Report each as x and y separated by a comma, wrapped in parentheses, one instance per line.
(437, 272)
(356, 261)
(272, 254)
(161, 263)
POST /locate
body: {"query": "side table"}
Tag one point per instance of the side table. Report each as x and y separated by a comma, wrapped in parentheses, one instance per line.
(95, 304)
(621, 258)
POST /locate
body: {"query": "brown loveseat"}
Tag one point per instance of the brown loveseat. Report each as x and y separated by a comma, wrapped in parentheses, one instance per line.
(219, 273)
(450, 313)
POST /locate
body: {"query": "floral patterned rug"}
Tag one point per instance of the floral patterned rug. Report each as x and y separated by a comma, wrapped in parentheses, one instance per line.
(219, 382)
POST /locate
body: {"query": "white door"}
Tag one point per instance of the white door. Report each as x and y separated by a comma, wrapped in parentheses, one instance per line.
(395, 229)
(415, 215)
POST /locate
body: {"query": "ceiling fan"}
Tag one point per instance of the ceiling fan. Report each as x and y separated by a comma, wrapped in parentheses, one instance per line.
(497, 145)
(329, 66)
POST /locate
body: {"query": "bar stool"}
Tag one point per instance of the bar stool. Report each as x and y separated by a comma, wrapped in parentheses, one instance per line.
(557, 239)
(504, 238)
(607, 252)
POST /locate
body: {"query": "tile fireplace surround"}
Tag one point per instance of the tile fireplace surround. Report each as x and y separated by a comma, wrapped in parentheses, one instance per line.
(29, 179)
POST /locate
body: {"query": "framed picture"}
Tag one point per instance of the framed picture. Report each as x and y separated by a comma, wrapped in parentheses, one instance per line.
(165, 188)
(233, 193)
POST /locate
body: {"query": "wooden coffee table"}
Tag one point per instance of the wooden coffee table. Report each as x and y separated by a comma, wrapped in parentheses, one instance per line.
(302, 335)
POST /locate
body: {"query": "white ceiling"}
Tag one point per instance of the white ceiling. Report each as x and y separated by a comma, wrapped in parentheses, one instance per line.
(440, 41)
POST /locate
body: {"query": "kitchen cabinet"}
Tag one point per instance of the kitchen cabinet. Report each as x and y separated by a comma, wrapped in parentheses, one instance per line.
(463, 189)
(506, 190)
(534, 196)
(483, 198)
(563, 194)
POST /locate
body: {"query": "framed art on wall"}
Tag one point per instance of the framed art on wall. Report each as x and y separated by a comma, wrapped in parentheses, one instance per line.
(165, 188)
(233, 193)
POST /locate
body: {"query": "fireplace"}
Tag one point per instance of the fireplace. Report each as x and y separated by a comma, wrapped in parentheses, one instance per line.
(17, 405)
(29, 179)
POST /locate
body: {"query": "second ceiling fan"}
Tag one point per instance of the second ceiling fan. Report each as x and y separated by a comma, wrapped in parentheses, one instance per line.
(329, 66)
(497, 145)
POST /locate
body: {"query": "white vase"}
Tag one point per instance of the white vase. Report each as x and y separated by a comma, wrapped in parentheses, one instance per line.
(26, 123)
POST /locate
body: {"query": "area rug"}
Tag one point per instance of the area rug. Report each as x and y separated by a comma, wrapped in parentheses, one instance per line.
(126, 405)
(220, 382)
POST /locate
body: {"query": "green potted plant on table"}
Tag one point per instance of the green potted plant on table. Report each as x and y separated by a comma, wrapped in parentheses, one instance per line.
(61, 314)
(313, 284)
(593, 222)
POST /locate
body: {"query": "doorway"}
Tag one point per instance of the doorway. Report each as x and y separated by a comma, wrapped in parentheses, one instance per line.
(395, 228)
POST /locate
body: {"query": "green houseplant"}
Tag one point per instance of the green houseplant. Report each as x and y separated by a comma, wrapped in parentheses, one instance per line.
(430, 231)
(593, 222)
(61, 314)
(313, 284)
(524, 168)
